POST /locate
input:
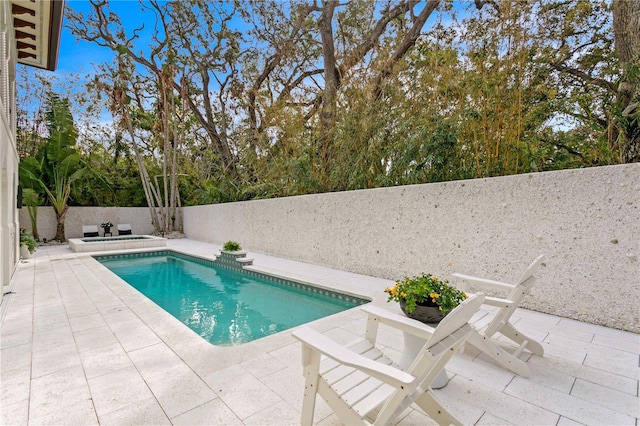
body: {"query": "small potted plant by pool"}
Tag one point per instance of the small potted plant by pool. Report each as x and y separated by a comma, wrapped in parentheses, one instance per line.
(107, 227)
(233, 248)
(28, 244)
(425, 297)
(232, 255)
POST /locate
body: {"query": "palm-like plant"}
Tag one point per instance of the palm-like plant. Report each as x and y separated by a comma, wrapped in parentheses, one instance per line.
(57, 164)
(31, 199)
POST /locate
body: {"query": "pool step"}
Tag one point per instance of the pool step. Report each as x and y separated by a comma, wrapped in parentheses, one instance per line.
(233, 259)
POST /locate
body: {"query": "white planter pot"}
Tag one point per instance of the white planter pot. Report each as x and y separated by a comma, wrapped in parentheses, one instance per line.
(24, 252)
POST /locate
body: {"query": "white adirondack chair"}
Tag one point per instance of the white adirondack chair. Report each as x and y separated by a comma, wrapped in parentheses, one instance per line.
(487, 327)
(358, 379)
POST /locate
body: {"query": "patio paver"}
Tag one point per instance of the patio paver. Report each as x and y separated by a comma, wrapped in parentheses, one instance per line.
(80, 346)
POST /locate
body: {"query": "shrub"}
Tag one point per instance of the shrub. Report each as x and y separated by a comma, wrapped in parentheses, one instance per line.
(27, 239)
(231, 246)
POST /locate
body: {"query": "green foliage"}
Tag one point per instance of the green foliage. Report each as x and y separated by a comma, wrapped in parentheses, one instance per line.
(112, 177)
(57, 163)
(31, 200)
(231, 246)
(425, 288)
(60, 161)
(28, 240)
(517, 88)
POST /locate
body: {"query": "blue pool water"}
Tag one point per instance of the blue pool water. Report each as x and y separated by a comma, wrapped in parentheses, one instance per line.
(224, 306)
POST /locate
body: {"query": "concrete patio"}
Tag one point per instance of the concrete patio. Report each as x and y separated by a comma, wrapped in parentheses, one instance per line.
(79, 346)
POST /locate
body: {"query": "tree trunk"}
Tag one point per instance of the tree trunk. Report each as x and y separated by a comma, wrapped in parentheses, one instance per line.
(164, 94)
(60, 237)
(327, 113)
(626, 30)
(144, 176)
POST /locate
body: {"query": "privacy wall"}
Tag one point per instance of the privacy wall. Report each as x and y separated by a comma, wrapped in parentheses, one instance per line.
(587, 222)
(138, 217)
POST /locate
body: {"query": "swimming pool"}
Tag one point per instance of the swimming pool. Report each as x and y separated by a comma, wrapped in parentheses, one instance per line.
(224, 306)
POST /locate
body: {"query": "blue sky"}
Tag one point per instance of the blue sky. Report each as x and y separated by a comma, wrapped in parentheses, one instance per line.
(78, 56)
(76, 59)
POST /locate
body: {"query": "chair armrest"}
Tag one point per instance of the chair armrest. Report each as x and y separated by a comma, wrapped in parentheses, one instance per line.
(331, 349)
(496, 301)
(483, 282)
(400, 322)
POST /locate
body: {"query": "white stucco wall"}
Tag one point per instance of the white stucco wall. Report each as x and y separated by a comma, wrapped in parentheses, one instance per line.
(138, 217)
(8, 153)
(8, 197)
(587, 221)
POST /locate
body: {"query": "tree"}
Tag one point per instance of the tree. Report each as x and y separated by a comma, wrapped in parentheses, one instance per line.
(262, 98)
(57, 164)
(206, 51)
(626, 31)
(197, 40)
(602, 81)
(124, 108)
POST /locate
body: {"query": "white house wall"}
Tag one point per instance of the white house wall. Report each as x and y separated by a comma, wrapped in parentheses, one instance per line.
(587, 221)
(8, 154)
(8, 217)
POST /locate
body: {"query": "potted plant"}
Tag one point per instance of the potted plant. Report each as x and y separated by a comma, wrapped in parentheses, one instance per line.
(107, 227)
(232, 256)
(425, 297)
(28, 244)
(231, 246)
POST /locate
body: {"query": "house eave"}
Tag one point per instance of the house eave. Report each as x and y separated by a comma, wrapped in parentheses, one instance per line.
(37, 25)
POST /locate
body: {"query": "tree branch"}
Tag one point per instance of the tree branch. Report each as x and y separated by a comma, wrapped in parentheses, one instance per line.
(585, 77)
(408, 41)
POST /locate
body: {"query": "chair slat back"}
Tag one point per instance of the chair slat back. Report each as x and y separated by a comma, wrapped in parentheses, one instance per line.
(526, 281)
(531, 269)
(456, 318)
(521, 289)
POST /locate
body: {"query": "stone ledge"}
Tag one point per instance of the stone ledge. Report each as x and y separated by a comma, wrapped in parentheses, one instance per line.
(233, 259)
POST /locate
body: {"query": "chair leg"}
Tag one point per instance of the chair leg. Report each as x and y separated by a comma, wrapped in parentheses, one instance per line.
(499, 355)
(430, 404)
(531, 345)
(308, 404)
(311, 370)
